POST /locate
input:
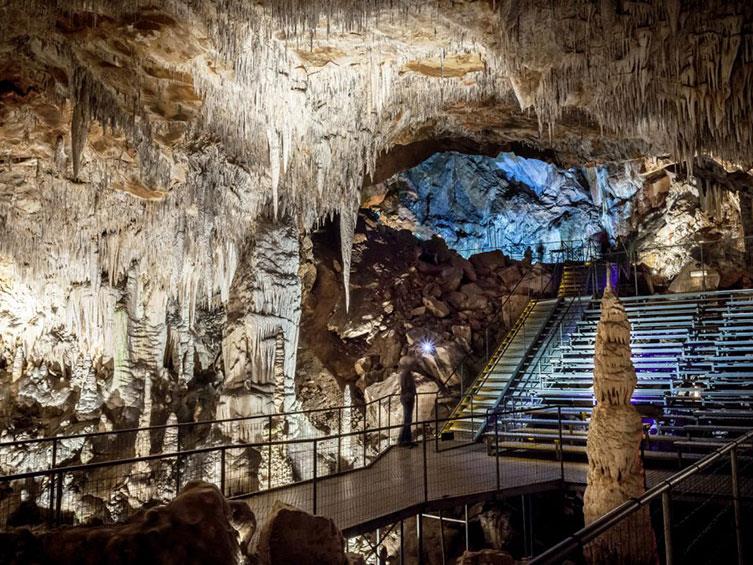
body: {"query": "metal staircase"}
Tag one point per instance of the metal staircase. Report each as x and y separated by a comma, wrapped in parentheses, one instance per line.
(502, 368)
(574, 280)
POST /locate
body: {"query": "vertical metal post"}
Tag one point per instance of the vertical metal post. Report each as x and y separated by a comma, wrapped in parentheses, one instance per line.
(703, 268)
(177, 465)
(269, 454)
(436, 423)
(635, 271)
(365, 425)
(58, 498)
(525, 524)
(402, 543)
(222, 471)
(736, 506)
(667, 519)
(441, 535)
(562, 454)
(52, 476)
(380, 561)
(420, 531)
(339, 436)
(379, 426)
(496, 448)
(426, 477)
(313, 482)
(389, 420)
(467, 534)
(415, 419)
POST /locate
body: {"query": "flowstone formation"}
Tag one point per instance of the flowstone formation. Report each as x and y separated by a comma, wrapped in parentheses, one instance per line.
(615, 470)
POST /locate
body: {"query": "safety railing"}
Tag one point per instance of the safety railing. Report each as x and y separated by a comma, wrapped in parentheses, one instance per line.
(111, 491)
(698, 515)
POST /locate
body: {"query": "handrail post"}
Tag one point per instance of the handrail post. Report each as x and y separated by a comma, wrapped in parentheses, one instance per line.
(496, 447)
(222, 471)
(365, 425)
(52, 477)
(562, 453)
(426, 478)
(436, 422)
(389, 420)
(379, 425)
(667, 519)
(269, 455)
(703, 268)
(59, 498)
(314, 479)
(736, 505)
(339, 436)
(177, 463)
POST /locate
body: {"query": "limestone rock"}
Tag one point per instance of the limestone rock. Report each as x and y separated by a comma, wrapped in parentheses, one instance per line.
(691, 278)
(436, 307)
(486, 557)
(193, 528)
(291, 535)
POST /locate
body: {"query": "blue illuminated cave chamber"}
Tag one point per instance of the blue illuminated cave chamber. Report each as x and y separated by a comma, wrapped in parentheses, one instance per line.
(477, 203)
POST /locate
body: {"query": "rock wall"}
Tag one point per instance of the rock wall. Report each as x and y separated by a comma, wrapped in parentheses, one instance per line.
(404, 292)
(510, 203)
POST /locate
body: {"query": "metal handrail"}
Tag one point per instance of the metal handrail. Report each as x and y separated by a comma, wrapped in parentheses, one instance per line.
(241, 445)
(563, 549)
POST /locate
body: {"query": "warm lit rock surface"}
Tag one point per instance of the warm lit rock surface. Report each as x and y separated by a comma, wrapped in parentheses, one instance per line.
(486, 557)
(200, 526)
(291, 535)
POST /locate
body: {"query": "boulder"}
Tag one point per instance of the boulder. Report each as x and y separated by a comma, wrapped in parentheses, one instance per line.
(691, 278)
(436, 307)
(458, 300)
(291, 535)
(450, 278)
(490, 261)
(486, 557)
(196, 527)
(418, 311)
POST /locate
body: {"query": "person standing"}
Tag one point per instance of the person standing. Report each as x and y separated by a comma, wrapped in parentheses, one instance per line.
(407, 397)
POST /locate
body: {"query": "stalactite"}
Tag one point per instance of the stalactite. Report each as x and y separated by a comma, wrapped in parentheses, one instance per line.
(348, 218)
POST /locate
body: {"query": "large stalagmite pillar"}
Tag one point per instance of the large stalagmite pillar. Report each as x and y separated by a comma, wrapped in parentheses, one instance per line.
(615, 470)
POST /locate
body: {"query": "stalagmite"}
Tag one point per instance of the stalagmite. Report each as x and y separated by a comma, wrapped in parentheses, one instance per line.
(615, 470)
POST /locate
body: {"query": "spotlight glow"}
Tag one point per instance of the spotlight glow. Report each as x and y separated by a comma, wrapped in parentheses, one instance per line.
(427, 347)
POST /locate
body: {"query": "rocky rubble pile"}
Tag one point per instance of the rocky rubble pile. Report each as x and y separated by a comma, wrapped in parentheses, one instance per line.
(406, 293)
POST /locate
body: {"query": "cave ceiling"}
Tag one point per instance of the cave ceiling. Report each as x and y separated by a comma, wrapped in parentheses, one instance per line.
(159, 132)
